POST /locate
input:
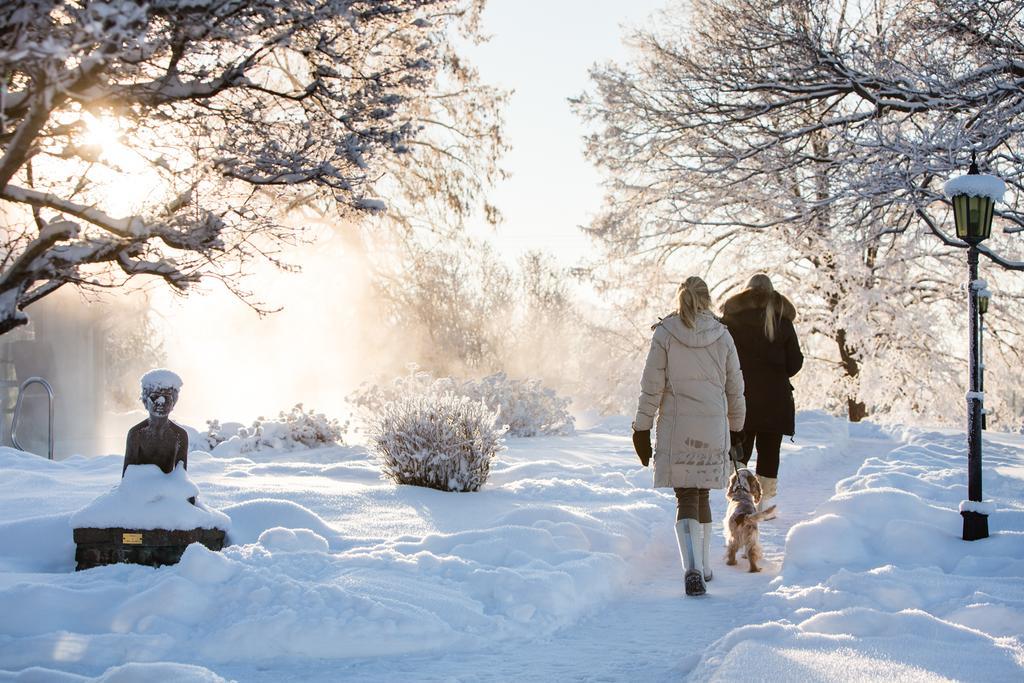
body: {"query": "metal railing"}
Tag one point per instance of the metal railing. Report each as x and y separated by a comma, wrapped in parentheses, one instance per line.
(17, 411)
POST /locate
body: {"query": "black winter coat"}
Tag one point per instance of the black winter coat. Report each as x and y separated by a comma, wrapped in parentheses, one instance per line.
(766, 365)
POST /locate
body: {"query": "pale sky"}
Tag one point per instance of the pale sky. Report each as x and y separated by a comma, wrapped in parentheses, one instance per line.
(542, 50)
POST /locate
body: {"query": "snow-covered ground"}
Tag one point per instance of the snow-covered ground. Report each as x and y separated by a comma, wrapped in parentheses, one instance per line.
(563, 567)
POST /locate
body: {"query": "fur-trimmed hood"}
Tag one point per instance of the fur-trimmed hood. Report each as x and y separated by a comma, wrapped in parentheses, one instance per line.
(753, 299)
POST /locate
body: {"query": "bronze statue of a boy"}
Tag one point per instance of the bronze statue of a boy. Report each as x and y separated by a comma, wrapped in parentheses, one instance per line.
(157, 440)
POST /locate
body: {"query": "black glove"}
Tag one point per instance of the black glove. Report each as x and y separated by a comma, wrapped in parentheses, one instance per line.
(642, 444)
(736, 447)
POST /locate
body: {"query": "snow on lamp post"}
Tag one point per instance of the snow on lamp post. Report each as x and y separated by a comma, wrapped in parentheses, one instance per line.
(984, 296)
(974, 196)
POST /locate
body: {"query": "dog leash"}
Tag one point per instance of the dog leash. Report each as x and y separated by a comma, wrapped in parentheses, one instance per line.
(735, 467)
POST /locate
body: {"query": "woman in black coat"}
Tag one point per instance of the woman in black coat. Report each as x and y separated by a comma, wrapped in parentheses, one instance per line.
(761, 323)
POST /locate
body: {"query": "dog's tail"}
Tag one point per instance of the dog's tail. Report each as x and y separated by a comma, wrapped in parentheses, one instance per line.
(760, 516)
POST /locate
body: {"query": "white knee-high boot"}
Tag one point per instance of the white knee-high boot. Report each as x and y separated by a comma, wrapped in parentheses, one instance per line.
(688, 534)
(769, 489)
(706, 543)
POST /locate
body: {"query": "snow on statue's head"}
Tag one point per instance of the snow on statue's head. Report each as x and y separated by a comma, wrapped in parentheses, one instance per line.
(160, 389)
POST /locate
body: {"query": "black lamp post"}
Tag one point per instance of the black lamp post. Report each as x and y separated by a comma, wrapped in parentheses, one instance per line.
(973, 197)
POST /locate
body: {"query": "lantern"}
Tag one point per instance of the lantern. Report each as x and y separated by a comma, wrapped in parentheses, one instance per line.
(984, 296)
(973, 217)
(973, 197)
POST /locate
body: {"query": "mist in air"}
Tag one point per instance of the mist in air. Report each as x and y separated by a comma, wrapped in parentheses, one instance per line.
(329, 336)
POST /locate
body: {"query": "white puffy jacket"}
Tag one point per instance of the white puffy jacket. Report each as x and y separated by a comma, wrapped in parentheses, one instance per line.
(692, 382)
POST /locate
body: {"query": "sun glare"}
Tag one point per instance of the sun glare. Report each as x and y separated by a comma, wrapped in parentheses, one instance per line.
(128, 182)
(107, 134)
(102, 131)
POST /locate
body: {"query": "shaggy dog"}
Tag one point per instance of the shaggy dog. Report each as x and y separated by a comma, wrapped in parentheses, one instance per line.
(744, 494)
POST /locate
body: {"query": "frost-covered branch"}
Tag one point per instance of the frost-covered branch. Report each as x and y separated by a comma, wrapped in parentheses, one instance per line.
(172, 132)
(821, 134)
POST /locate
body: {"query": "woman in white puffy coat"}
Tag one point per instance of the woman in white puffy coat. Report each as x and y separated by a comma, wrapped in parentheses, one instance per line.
(693, 384)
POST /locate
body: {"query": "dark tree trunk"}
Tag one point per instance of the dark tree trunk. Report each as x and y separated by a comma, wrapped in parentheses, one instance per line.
(856, 410)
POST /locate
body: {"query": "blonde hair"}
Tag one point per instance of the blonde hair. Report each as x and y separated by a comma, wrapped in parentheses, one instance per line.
(694, 299)
(763, 283)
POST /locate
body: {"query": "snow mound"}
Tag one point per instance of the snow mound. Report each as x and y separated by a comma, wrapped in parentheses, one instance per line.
(251, 519)
(203, 566)
(284, 540)
(879, 584)
(146, 498)
(40, 544)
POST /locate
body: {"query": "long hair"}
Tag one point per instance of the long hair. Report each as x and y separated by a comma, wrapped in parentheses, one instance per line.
(762, 283)
(694, 298)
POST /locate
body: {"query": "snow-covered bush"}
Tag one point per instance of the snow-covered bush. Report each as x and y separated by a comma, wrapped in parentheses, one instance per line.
(372, 399)
(524, 405)
(215, 434)
(291, 431)
(440, 441)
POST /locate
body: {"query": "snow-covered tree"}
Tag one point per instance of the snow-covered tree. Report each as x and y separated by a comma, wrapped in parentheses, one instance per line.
(459, 309)
(450, 302)
(168, 138)
(810, 139)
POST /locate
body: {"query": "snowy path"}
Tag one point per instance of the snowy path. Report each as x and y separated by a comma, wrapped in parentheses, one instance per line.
(651, 632)
(564, 568)
(656, 634)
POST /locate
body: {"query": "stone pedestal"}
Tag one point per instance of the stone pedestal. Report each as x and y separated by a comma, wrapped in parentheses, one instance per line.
(975, 525)
(152, 547)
